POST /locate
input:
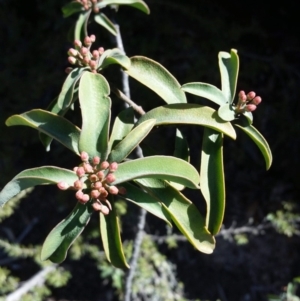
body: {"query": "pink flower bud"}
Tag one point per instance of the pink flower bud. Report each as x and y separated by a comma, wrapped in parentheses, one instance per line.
(93, 64)
(87, 41)
(85, 198)
(93, 38)
(68, 70)
(75, 168)
(251, 95)
(79, 195)
(72, 52)
(72, 60)
(96, 9)
(80, 172)
(113, 166)
(84, 51)
(113, 190)
(95, 194)
(77, 184)
(250, 108)
(110, 178)
(97, 185)
(85, 60)
(103, 193)
(104, 165)
(104, 210)
(96, 160)
(257, 100)
(96, 54)
(93, 178)
(100, 174)
(122, 190)
(77, 43)
(97, 206)
(100, 50)
(62, 185)
(242, 96)
(88, 167)
(84, 156)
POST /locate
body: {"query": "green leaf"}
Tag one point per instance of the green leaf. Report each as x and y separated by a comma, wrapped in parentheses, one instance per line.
(95, 110)
(66, 95)
(146, 201)
(50, 124)
(71, 8)
(212, 181)
(80, 30)
(205, 90)
(157, 78)
(111, 239)
(60, 239)
(131, 141)
(229, 68)
(102, 20)
(36, 176)
(189, 114)
(258, 139)
(139, 4)
(114, 56)
(161, 167)
(183, 212)
(226, 112)
(249, 117)
(122, 126)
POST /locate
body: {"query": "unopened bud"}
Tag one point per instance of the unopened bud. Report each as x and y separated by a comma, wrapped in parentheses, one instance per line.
(77, 184)
(77, 43)
(100, 50)
(110, 178)
(93, 64)
(93, 38)
(87, 41)
(84, 156)
(96, 9)
(72, 52)
(97, 185)
(96, 160)
(122, 190)
(63, 185)
(250, 108)
(256, 100)
(100, 175)
(103, 193)
(104, 210)
(242, 96)
(104, 165)
(113, 190)
(95, 194)
(251, 95)
(79, 195)
(85, 198)
(88, 168)
(68, 70)
(113, 166)
(96, 54)
(80, 172)
(97, 206)
(84, 51)
(93, 178)
(72, 60)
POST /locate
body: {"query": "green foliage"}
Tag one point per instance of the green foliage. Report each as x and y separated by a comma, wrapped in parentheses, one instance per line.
(7, 282)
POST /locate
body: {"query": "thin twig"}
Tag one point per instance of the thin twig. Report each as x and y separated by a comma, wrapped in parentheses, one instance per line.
(37, 280)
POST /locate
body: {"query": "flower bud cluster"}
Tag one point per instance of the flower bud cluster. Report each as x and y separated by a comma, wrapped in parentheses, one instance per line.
(82, 56)
(98, 177)
(87, 4)
(247, 103)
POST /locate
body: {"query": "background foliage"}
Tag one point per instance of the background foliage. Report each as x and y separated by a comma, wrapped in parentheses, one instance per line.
(185, 38)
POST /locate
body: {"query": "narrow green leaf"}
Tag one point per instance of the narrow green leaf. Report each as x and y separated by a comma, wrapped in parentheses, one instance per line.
(114, 56)
(122, 126)
(71, 8)
(80, 30)
(36, 176)
(258, 139)
(95, 109)
(161, 167)
(205, 90)
(131, 141)
(183, 212)
(102, 20)
(66, 95)
(212, 181)
(146, 201)
(226, 112)
(111, 239)
(157, 78)
(139, 4)
(249, 117)
(60, 239)
(189, 114)
(50, 124)
(229, 68)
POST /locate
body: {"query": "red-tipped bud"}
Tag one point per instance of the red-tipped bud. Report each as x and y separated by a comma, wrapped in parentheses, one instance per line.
(72, 60)
(85, 198)
(113, 166)
(75, 168)
(62, 185)
(100, 175)
(104, 165)
(97, 206)
(250, 108)
(113, 190)
(84, 51)
(84, 156)
(72, 52)
(77, 43)
(96, 54)
(110, 178)
(251, 95)
(95, 194)
(96, 160)
(256, 100)
(88, 167)
(93, 64)
(242, 96)
(93, 178)
(122, 190)
(100, 50)
(87, 41)
(80, 172)
(68, 70)
(105, 210)
(79, 195)
(85, 60)
(97, 185)
(103, 193)
(93, 38)
(77, 184)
